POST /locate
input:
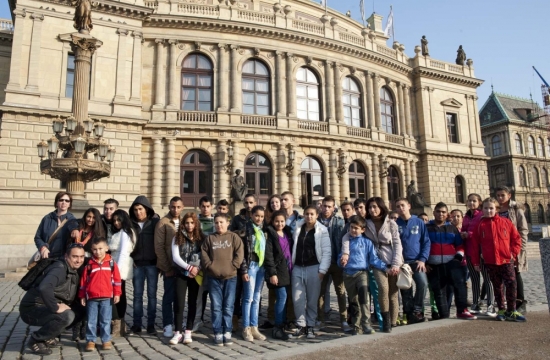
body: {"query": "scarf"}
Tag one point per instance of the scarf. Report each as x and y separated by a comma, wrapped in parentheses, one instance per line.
(259, 243)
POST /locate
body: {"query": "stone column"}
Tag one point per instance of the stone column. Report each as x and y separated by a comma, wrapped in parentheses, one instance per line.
(476, 120)
(223, 184)
(281, 83)
(290, 86)
(376, 93)
(544, 248)
(34, 59)
(370, 100)
(329, 89)
(407, 97)
(407, 166)
(120, 92)
(338, 110)
(170, 176)
(333, 175)
(295, 183)
(235, 81)
(383, 180)
(16, 53)
(223, 78)
(135, 95)
(156, 184)
(413, 171)
(175, 80)
(375, 176)
(344, 185)
(160, 77)
(402, 122)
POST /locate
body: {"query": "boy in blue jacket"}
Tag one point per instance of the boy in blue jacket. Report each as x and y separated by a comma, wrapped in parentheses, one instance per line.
(356, 279)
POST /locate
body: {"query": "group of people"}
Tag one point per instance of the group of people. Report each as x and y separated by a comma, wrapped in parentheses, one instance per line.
(298, 256)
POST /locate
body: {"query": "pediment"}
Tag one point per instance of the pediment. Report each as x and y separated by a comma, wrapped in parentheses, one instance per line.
(451, 102)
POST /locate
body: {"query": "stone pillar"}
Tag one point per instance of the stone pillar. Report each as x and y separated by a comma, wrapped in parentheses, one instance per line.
(171, 188)
(333, 175)
(160, 77)
(338, 110)
(376, 93)
(370, 100)
(16, 53)
(544, 248)
(34, 59)
(476, 120)
(407, 97)
(400, 100)
(344, 185)
(223, 185)
(175, 80)
(235, 81)
(407, 166)
(281, 168)
(281, 83)
(290, 86)
(223, 78)
(413, 171)
(156, 184)
(120, 92)
(329, 89)
(375, 176)
(383, 180)
(135, 95)
(295, 183)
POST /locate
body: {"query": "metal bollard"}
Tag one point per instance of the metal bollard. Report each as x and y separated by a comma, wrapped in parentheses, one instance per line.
(544, 246)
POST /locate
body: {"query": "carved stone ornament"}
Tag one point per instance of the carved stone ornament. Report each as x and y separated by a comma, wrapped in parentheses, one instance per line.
(309, 60)
(352, 70)
(287, 10)
(256, 52)
(83, 16)
(198, 45)
(63, 168)
(85, 42)
(181, 46)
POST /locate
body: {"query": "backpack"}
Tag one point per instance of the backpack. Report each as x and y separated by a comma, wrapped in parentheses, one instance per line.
(36, 272)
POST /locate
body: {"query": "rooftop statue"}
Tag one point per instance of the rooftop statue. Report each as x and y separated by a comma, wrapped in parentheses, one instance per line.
(424, 44)
(460, 56)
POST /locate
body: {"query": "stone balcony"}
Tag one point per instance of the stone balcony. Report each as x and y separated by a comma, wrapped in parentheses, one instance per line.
(6, 26)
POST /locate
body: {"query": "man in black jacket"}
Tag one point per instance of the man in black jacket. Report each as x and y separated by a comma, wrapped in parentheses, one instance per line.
(145, 262)
(47, 303)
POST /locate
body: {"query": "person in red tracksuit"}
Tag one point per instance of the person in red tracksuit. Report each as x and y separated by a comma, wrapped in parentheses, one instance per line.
(498, 241)
(100, 282)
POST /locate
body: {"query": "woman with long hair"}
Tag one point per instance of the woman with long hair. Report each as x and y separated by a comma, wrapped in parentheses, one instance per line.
(121, 246)
(186, 254)
(89, 227)
(273, 204)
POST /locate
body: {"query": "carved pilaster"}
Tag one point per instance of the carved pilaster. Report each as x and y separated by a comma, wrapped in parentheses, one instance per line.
(135, 95)
(160, 78)
(34, 59)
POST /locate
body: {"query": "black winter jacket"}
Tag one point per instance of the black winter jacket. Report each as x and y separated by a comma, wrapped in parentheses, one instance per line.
(144, 251)
(275, 262)
(46, 229)
(238, 223)
(248, 239)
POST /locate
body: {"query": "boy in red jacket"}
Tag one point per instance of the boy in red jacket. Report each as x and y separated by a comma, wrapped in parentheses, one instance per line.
(500, 244)
(100, 282)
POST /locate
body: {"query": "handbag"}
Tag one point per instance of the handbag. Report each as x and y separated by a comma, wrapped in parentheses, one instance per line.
(37, 256)
(405, 277)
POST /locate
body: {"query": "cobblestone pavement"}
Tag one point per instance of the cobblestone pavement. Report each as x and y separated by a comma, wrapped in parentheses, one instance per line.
(14, 333)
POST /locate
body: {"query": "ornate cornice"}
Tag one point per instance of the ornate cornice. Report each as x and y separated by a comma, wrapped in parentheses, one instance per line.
(447, 77)
(112, 7)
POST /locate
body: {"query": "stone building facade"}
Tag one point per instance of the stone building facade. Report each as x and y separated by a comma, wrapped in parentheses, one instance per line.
(297, 98)
(517, 138)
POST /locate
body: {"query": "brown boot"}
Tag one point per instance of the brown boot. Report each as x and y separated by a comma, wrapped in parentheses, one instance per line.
(256, 334)
(122, 328)
(115, 328)
(107, 345)
(90, 346)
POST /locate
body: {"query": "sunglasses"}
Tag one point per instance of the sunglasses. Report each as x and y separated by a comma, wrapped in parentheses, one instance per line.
(64, 200)
(76, 245)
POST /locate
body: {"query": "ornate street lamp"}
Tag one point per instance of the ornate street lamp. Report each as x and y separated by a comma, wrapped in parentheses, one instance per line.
(291, 157)
(98, 129)
(58, 125)
(111, 154)
(70, 124)
(42, 149)
(88, 126)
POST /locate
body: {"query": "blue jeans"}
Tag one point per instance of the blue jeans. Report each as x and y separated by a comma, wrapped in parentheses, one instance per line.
(222, 301)
(252, 293)
(102, 309)
(280, 305)
(140, 274)
(416, 303)
(169, 305)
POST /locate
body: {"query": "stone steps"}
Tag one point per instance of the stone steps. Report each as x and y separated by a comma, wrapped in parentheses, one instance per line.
(16, 274)
(533, 250)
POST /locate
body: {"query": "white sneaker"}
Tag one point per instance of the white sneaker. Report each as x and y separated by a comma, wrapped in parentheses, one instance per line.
(197, 326)
(491, 311)
(168, 331)
(177, 338)
(187, 337)
(346, 327)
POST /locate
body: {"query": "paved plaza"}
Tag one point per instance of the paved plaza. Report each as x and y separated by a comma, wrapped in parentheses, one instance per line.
(14, 333)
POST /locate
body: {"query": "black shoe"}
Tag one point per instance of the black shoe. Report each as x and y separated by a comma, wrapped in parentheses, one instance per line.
(39, 347)
(83, 330)
(279, 333)
(53, 342)
(299, 332)
(76, 332)
(373, 318)
(386, 322)
(290, 326)
(355, 331)
(151, 329)
(435, 316)
(135, 329)
(266, 325)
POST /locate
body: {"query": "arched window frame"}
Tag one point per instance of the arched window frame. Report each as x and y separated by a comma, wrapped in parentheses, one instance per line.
(197, 83)
(387, 111)
(358, 180)
(255, 100)
(258, 169)
(500, 176)
(351, 102)
(522, 177)
(544, 178)
(496, 145)
(308, 99)
(519, 144)
(394, 183)
(540, 147)
(535, 176)
(531, 146)
(200, 171)
(540, 214)
(459, 190)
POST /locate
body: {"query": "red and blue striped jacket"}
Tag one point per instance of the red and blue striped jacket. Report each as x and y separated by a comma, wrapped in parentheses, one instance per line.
(100, 280)
(445, 243)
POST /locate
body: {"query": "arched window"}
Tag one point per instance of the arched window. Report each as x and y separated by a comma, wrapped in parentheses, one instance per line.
(196, 177)
(544, 178)
(496, 145)
(351, 101)
(500, 176)
(256, 97)
(357, 181)
(521, 175)
(394, 184)
(257, 173)
(531, 146)
(313, 187)
(519, 145)
(484, 141)
(307, 95)
(387, 111)
(540, 214)
(196, 83)
(548, 146)
(459, 190)
(527, 212)
(540, 147)
(535, 176)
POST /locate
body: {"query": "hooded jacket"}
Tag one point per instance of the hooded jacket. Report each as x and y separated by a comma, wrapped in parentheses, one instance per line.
(362, 256)
(470, 222)
(100, 280)
(498, 241)
(144, 251)
(164, 233)
(238, 223)
(517, 216)
(221, 255)
(322, 245)
(275, 263)
(414, 239)
(46, 229)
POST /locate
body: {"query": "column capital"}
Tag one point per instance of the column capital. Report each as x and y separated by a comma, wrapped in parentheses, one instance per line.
(138, 34)
(289, 55)
(173, 42)
(122, 32)
(234, 47)
(279, 54)
(20, 13)
(222, 46)
(375, 76)
(159, 42)
(329, 63)
(37, 17)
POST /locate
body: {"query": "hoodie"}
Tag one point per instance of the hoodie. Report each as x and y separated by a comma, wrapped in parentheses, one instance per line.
(222, 255)
(144, 251)
(100, 280)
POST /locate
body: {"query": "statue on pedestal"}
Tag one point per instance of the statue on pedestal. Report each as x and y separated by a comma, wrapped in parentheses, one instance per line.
(239, 188)
(424, 44)
(415, 198)
(83, 16)
(460, 56)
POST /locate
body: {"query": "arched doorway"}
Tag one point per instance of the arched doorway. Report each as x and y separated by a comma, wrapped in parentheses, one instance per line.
(313, 187)
(394, 184)
(196, 177)
(257, 174)
(357, 181)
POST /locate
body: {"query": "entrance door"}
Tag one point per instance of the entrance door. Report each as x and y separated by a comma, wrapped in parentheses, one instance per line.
(257, 170)
(312, 181)
(195, 178)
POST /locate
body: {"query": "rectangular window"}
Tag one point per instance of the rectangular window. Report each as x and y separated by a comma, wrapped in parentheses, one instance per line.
(452, 128)
(69, 84)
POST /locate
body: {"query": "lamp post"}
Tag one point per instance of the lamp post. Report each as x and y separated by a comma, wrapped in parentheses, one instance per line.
(76, 165)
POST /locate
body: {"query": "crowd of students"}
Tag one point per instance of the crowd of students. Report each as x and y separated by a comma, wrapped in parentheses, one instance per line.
(298, 256)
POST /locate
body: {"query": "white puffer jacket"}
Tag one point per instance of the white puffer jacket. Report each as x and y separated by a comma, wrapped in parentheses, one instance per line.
(322, 245)
(121, 246)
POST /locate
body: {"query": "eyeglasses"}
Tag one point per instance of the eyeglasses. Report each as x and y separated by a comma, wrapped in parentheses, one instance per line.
(64, 200)
(76, 245)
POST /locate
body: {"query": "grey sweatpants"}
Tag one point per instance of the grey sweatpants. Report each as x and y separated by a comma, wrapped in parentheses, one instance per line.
(306, 287)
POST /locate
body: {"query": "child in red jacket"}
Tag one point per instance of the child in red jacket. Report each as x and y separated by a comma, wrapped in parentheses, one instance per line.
(100, 282)
(498, 241)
